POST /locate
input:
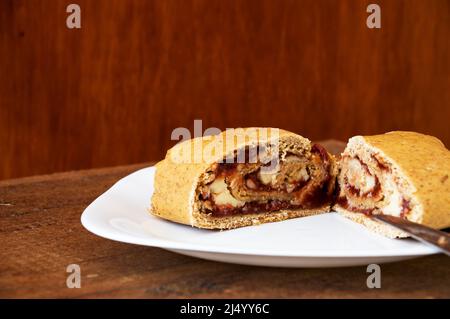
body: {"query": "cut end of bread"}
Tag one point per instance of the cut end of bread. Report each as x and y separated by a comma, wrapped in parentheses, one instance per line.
(372, 225)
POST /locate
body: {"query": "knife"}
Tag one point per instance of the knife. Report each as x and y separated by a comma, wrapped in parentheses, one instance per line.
(422, 233)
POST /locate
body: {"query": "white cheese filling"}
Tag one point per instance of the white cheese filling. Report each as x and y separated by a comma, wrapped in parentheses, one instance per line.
(358, 177)
(393, 199)
(222, 195)
(267, 177)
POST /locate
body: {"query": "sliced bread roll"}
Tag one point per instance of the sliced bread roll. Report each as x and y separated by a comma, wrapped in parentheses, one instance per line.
(403, 174)
(243, 177)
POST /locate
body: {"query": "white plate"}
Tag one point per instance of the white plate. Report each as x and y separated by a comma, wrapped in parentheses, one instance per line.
(327, 240)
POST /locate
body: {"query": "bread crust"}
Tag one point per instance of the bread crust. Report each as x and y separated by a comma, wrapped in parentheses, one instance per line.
(374, 225)
(174, 196)
(424, 163)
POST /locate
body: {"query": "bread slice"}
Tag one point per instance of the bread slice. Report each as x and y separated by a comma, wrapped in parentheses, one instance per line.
(403, 174)
(200, 183)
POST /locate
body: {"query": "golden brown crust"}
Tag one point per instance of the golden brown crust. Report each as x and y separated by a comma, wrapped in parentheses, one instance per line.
(423, 162)
(230, 222)
(173, 190)
(175, 183)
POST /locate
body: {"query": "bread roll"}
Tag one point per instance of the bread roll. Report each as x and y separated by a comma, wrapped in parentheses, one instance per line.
(403, 174)
(243, 177)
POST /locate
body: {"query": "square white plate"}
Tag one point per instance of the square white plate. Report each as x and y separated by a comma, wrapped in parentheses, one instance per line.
(326, 240)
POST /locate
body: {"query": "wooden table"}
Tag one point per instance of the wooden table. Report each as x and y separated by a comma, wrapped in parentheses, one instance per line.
(41, 234)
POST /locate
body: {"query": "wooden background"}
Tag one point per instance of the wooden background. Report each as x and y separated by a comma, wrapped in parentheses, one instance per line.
(112, 92)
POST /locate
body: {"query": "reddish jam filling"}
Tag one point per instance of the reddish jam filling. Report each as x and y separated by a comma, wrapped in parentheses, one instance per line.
(343, 202)
(354, 191)
(406, 208)
(252, 208)
(382, 166)
(321, 151)
(313, 197)
(375, 193)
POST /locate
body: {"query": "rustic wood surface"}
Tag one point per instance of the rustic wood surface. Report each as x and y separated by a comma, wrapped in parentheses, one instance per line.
(40, 234)
(112, 92)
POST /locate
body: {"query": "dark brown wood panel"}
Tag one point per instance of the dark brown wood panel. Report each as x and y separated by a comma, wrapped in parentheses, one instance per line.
(112, 92)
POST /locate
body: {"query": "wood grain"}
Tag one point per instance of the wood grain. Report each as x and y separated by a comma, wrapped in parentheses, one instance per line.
(112, 92)
(41, 235)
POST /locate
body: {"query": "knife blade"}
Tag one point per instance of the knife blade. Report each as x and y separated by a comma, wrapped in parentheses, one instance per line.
(425, 234)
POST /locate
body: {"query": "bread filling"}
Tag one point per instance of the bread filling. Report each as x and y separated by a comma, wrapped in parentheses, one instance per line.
(370, 188)
(298, 181)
